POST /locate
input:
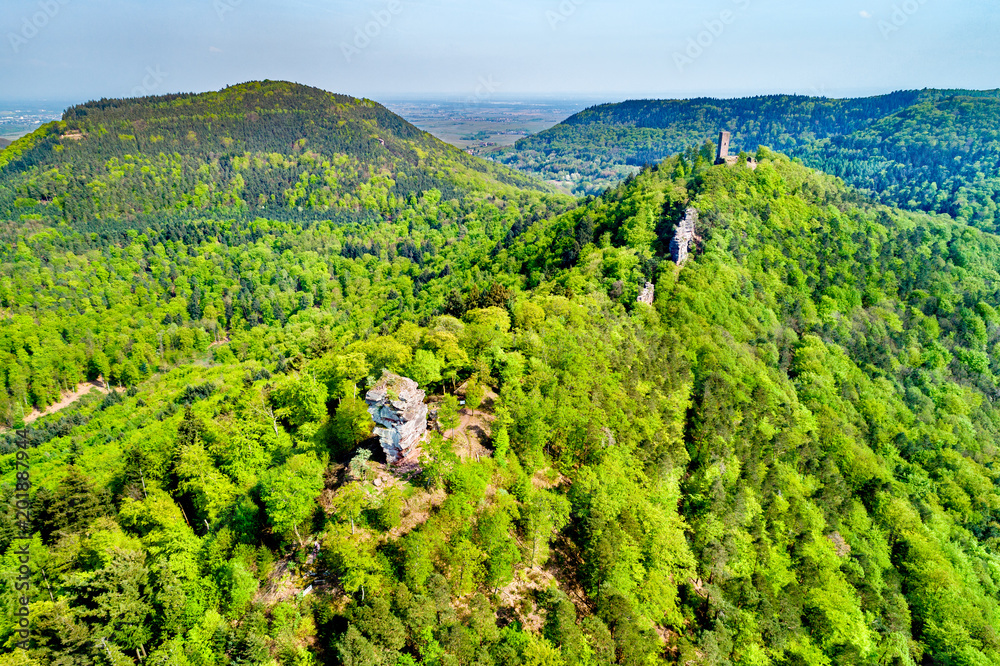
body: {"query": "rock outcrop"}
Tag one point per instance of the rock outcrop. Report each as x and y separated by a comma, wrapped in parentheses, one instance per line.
(397, 407)
(648, 294)
(683, 237)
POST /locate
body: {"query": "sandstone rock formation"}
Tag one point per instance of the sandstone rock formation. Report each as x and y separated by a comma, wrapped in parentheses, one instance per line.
(684, 237)
(397, 407)
(648, 294)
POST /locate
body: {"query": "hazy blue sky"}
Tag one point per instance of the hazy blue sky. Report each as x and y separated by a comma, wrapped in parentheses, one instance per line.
(82, 49)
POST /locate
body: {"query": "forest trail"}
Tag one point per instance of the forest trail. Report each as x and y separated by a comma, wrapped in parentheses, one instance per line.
(473, 428)
(68, 398)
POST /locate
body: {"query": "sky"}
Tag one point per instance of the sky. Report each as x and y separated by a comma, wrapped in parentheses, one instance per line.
(77, 50)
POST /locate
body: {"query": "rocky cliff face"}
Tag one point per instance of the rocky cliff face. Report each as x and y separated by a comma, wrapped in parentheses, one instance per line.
(684, 237)
(397, 406)
(648, 294)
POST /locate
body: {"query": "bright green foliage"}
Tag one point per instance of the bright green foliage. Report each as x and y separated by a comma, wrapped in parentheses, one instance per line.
(933, 150)
(425, 369)
(359, 464)
(289, 492)
(500, 434)
(352, 556)
(493, 535)
(474, 394)
(209, 490)
(789, 459)
(238, 587)
(448, 414)
(543, 516)
(349, 504)
(351, 424)
(390, 510)
(485, 329)
(152, 255)
(341, 373)
(300, 400)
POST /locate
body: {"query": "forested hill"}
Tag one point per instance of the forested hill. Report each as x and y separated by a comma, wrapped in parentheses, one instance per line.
(934, 150)
(260, 145)
(790, 458)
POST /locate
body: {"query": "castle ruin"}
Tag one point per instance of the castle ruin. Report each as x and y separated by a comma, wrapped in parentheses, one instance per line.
(723, 156)
(683, 237)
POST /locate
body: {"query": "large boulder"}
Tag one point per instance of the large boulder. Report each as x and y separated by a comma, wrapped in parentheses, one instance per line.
(397, 407)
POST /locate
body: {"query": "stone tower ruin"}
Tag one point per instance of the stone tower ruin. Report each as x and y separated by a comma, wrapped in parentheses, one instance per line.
(723, 155)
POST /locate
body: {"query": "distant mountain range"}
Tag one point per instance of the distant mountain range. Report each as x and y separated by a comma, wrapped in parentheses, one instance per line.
(934, 150)
(4, 143)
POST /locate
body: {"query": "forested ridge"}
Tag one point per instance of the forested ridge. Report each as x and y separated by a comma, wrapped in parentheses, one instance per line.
(107, 266)
(258, 146)
(932, 150)
(790, 458)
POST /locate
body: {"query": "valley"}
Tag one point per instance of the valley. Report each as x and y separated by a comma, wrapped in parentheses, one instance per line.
(20, 118)
(479, 126)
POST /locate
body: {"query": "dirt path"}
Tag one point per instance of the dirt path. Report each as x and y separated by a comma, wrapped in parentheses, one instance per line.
(473, 430)
(470, 434)
(68, 398)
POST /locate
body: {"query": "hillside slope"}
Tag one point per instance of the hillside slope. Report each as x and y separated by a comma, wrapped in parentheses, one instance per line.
(817, 338)
(252, 147)
(931, 150)
(345, 178)
(791, 458)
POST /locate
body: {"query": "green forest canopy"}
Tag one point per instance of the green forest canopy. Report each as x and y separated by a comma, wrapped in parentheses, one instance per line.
(931, 150)
(253, 147)
(791, 458)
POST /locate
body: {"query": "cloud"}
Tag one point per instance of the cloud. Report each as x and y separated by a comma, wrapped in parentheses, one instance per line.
(866, 14)
(214, 49)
